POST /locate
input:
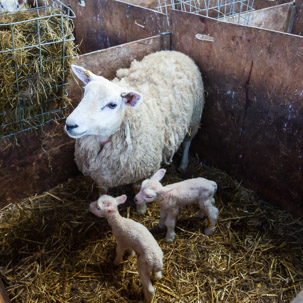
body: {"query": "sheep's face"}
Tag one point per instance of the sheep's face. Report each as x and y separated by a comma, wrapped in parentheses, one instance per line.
(151, 188)
(106, 205)
(101, 110)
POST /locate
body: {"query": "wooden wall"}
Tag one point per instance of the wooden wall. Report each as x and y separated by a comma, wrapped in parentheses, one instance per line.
(252, 124)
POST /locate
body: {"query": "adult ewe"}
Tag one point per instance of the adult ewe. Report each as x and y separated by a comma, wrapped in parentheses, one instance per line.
(126, 127)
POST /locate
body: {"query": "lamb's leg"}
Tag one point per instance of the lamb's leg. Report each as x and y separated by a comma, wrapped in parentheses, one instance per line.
(141, 208)
(184, 161)
(212, 213)
(149, 291)
(163, 216)
(170, 223)
(120, 252)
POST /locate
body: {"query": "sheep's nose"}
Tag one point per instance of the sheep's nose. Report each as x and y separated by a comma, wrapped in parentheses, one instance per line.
(69, 127)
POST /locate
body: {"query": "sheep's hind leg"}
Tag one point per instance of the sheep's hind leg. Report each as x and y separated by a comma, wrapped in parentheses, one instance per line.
(184, 162)
(148, 288)
(212, 214)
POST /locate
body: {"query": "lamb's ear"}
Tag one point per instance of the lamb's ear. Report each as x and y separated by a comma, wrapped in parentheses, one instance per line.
(121, 199)
(83, 74)
(159, 175)
(131, 98)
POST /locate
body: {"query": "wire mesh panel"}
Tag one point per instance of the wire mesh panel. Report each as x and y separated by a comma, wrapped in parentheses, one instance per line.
(237, 11)
(36, 45)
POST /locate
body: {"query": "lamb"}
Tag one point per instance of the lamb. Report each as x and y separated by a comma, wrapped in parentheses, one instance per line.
(172, 197)
(132, 236)
(126, 127)
(11, 6)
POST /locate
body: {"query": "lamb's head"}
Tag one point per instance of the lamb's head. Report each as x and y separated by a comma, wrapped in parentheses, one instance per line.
(106, 205)
(101, 110)
(151, 188)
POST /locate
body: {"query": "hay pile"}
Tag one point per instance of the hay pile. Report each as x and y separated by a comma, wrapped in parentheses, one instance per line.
(53, 250)
(32, 78)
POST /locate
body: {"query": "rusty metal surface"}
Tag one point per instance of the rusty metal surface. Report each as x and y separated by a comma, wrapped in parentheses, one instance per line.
(252, 125)
(105, 23)
(298, 22)
(35, 162)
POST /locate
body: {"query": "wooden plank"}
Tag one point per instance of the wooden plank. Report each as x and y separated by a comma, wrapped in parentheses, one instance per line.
(3, 294)
(106, 23)
(298, 22)
(34, 162)
(252, 124)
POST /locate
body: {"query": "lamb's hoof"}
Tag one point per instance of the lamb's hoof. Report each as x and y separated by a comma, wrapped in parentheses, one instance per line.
(158, 275)
(161, 226)
(209, 231)
(170, 238)
(141, 209)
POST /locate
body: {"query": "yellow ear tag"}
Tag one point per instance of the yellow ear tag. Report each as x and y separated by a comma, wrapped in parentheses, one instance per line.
(87, 73)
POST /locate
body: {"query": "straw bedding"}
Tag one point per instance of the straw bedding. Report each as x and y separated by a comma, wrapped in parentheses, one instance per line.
(32, 77)
(53, 250)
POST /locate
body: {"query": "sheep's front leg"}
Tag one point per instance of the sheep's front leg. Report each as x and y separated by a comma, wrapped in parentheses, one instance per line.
(163, 216)
(120, 249)
(212, 214)
(148, 288)
(141, 208)
(170, 223)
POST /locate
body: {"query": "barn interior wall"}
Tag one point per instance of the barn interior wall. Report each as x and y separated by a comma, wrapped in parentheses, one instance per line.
(250, 86)
(252, 123)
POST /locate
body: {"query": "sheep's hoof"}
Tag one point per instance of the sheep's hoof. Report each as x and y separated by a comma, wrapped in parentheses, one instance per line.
(141, 208)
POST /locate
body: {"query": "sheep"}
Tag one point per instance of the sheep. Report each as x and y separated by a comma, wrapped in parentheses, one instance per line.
(172, 197)
(11, 6)
(132, 236)
(126, 127)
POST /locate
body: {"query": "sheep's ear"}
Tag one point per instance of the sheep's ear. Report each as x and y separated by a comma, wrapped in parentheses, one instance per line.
(121, 199)
(159, 175)
(83, 74)
(131, 98)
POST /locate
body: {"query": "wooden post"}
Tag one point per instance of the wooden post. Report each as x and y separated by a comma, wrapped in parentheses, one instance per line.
(3, 294)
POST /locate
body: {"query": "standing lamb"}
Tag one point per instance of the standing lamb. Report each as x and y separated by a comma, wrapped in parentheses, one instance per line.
(174, 196)
(125, 128)
(132, 236)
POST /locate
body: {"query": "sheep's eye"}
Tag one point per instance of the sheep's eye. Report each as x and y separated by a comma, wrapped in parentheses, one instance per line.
(148, 196)
(98, 208)
(111, 105)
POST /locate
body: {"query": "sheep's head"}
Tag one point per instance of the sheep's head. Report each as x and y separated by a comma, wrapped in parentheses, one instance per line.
(151, 188)
(106, 205)
(101, 110)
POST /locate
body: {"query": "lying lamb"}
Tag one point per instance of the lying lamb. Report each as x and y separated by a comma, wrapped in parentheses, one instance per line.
(171, 197)
(125, 128)
(132, 236)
